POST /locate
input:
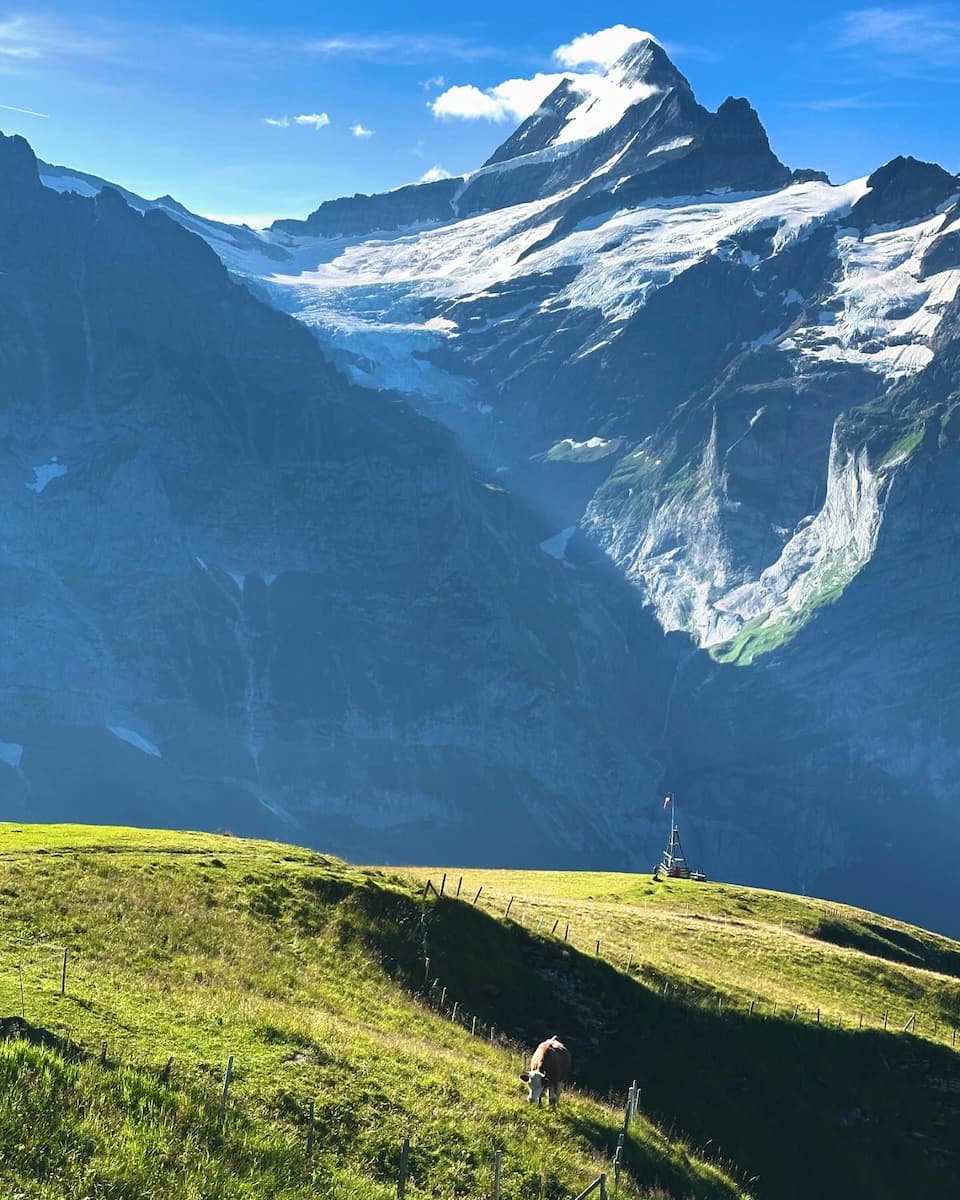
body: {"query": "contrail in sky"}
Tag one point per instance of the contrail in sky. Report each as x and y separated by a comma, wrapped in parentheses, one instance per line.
(28, 111)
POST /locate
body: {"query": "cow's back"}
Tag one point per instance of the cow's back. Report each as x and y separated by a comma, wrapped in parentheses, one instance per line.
(553, 1059)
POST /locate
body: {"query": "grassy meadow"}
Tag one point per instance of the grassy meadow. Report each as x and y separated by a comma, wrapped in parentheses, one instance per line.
(196, 947)
(400, 1016)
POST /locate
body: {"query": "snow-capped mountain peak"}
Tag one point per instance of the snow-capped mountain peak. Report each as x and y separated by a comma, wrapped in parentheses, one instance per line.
(582, 106)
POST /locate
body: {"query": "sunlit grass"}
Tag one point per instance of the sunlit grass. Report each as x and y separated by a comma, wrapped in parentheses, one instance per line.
(196, 947)
(715, 943)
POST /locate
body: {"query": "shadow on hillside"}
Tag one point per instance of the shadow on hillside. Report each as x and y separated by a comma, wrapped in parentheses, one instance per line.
(895, 945)
(800, 1110)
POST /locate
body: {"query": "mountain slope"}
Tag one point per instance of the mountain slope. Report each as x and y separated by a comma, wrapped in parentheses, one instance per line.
(240, 592)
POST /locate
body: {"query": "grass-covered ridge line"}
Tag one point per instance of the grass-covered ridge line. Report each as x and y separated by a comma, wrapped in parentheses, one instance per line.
(805, 1109)
(305, 969)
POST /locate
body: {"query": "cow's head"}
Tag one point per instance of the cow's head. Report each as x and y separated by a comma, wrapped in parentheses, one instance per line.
(536, 1081)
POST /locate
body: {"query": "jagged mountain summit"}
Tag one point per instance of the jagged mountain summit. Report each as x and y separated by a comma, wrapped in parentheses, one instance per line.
(731, 387)
(637, 127)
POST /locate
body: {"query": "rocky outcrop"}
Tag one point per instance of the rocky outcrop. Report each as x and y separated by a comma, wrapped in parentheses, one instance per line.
(416, 204)
(903, 190)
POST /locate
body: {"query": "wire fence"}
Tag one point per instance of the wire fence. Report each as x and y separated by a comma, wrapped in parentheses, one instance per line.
(890, 1018)
(41, 970)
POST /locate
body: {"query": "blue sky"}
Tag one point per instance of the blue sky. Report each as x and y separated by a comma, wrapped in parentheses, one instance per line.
(201, 99)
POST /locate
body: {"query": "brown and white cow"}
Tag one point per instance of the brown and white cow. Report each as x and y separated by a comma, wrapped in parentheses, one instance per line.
(549, 1067)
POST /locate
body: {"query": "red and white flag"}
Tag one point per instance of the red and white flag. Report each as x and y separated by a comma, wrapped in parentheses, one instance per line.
(666, 802)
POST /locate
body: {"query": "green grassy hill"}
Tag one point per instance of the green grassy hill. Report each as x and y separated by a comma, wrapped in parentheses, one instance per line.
(337, 985)
(304, 969)
(766, 1024)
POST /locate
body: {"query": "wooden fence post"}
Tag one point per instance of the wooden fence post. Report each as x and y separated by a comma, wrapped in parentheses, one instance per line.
(63, 974)
(555, 924)
(477, 896)
(507, 911)
(443, 998)
(598, 947)
(23, 1009)
(911, 1023)
(103, 1054)
(459, 886)
(603, 1187)
(796, 1009)
(456, 1005)
(885, 1016)
(404, 1168)
(443, 883)
(310, 1128)
(227, 1077)
(860, 1024)
(752, 1003)
(629, 962)
(473, 1028)
(566, 931)
(167, 1070)
(497, 1169)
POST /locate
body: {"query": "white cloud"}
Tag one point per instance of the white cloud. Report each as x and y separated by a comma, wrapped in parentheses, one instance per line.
(435, 81)
(436, 172)
(917, 39)
(514, 99)
(600, 49)
(28, 38)
(279, 122)
(316, 120)
(361, 131)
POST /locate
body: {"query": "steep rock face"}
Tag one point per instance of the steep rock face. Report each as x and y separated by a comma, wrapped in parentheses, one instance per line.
(902, 191)
(417, 204)
(240, 593)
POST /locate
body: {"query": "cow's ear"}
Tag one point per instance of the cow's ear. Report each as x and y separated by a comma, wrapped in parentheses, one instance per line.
(525, 1076)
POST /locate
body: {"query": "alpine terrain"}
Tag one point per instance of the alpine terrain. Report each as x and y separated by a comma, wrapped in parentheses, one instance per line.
(691, 524)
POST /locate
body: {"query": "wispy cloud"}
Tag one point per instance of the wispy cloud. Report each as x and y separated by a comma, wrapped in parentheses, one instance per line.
(400, 47)
(361, 131)
(435, 81)
(315, 120)
(27, 111)
(33, 37)
(913, 35)
(842, 103)
(436, 172)
(277, 122)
